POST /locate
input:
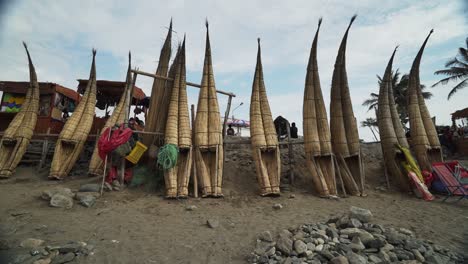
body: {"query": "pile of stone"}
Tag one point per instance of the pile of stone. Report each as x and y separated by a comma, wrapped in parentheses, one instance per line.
(39, 253)
(61, 197)
(349, 238)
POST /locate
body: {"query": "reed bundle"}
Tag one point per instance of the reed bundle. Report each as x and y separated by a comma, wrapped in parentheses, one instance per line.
(17, 136)
(264, 140)
(178, 132)
(391, 129)
(159, 100)
(317, 142)
(75, 132)
(424, 140)
(343, 125)
(118, 117)
(209, 154)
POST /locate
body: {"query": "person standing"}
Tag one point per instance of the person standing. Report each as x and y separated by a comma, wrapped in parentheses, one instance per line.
(293, 130)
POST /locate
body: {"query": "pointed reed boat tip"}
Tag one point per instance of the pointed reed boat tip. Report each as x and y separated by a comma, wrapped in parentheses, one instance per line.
(206, 23)
(94, 52)
(320, 21)
(258, 41)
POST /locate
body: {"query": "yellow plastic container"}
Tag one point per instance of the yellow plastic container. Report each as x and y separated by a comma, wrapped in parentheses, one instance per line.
(136, 153)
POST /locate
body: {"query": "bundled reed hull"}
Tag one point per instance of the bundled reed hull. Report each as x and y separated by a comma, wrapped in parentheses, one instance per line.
(21, 129)
(178, 132)
(118, 117)
(317, 142)
(75, 131)
(265, 148)
(209, 151)
(391, 129)
(343, 125)
(159, 102)
(424, 140)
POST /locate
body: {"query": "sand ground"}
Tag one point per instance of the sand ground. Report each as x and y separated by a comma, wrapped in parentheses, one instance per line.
(134, 226)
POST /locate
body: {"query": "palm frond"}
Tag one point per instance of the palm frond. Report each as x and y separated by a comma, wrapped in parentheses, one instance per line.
(459, 86)
(445, 80)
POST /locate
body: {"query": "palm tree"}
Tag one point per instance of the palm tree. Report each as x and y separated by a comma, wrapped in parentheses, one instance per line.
(457, 70)
(400, 87)
(371, 123)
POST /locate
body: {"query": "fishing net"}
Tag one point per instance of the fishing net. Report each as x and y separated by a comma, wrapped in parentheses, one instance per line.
(167, 156)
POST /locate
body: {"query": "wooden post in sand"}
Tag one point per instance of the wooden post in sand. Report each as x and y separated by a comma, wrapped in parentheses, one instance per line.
(45, 149)
(291, 158)
(194, 168)
(226, 115)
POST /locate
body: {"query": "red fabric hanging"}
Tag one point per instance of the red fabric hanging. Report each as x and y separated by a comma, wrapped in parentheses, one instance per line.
(117, 138)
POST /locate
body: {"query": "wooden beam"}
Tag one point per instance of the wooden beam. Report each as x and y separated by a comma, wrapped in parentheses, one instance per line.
(226, 115)
(170, 79)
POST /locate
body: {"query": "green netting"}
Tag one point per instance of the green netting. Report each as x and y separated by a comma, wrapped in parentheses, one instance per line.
(167, 156)
(147, 177)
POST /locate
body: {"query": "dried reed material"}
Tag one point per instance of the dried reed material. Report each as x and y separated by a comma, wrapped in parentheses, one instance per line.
(178, 132)
(118, 117)
(391, 129)
(21, 129)
(424, 140)
(208, 137)
(75, 132)
(343, 125)
(160, 97)
(265, 146)
(317, 142)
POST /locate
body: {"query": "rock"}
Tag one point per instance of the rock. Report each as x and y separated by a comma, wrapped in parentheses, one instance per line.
(47, 194)
(43, 261)
(339, 260)
(311, 246)
(376, 243)
(406, 232)
(300, 247)
(292, 196)
(354, 258)
(190, 207)
(320, 241)
(263, 247)
(327, 254)
(418, 255)
(61, 201)
(107, 187)
(344, 240)
(319, 248)
(365, 236)
(90, 187)
(343, 222)
(356, 244)
(70, 247)
(284, 244)
(403, 254)
(277, 206)
(363, 215)
(350, 231)
(332, 232)
(437, 259)
(32, 243)
(384, 256)
(4, 245)
(212, 223)
(374, 259)
(353, 222)
(63, 258)
(370, 250)
(87, 200)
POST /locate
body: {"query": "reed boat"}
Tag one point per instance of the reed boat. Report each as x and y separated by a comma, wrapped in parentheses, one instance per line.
(343, 126)
(21, 129)
(208, 145)
(96, 164)
(317, 144)
(71, 140)
(424, 140)
(265, 147)
(159, 101)
(178, 132)
(391, 129)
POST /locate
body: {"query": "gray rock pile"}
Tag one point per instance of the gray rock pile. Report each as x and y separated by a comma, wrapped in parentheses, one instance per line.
(63, 197)
(348, 239)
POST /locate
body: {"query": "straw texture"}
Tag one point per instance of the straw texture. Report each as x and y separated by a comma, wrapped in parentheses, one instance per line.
(75, 131)
(118, 117)
(160, 97)
(391, 129)
(264, 140)
(21, 129)
(343, 125)
(424, 140)
(317, 142)
(178, 132)
(207, 131)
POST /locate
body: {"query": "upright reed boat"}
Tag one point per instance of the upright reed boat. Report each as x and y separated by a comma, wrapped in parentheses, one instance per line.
(208, 145)
(75, 132)
(265, 147)
(343, 125)
(178, 132)
(317, 144)
(424, 140)
(17, 136)
(391, 129)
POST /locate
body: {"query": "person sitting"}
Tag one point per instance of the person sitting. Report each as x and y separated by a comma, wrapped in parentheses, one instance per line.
(293, 130)
(230, 131)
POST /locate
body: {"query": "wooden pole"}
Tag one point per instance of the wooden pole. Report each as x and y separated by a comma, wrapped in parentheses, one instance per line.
(337, 168)
(290, 151)
(170, 79)
(226, 115)
(194, 168)
(45, 149)
(105, 165)
(363, 175)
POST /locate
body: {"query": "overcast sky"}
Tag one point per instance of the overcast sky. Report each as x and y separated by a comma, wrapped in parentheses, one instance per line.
(61, 34)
